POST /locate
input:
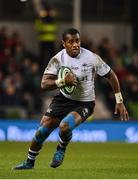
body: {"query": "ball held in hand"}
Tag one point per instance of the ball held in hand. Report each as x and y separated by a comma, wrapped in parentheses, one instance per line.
(63, 71)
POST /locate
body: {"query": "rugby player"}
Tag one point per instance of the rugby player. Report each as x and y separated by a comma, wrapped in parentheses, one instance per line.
(67, 111)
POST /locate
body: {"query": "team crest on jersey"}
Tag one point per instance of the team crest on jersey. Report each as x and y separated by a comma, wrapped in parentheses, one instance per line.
(84, 67)
(85, 111)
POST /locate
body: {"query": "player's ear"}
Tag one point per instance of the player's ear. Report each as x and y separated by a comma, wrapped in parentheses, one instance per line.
(63, 43)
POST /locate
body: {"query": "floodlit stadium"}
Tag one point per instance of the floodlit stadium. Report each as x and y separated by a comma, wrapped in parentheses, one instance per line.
(102, 147)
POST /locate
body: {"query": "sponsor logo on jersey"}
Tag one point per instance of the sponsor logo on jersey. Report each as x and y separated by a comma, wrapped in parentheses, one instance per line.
(49, 110)
(74, 68)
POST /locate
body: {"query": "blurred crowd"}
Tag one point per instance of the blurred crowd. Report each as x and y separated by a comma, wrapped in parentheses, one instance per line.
(20, 76)
(20, 93)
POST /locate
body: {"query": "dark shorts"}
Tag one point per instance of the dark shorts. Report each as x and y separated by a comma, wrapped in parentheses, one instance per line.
(61, 106)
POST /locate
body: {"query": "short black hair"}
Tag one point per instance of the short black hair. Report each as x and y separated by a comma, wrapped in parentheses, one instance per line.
(71, 31)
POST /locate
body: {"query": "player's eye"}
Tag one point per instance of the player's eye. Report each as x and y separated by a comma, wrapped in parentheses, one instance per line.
(71, 42)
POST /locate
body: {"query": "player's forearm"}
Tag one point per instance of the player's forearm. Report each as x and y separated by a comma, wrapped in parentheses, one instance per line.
(48, 83)
(114, 82)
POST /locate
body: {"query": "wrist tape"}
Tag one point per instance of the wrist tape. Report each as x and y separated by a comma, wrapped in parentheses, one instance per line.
(60, 82)
(118, 97)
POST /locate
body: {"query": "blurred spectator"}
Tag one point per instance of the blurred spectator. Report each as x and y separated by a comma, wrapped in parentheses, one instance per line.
(5, 56)
(3, 37)
(12, 40)
(133, 66)
(120, 71)
(10, 98)
(107, 52)
(88, 43)
(125, 55)
(46, 27)
(131, 84)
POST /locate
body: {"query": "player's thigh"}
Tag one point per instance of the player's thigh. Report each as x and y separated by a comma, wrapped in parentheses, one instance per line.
(50, 122)
(77, 117)
(81, 113)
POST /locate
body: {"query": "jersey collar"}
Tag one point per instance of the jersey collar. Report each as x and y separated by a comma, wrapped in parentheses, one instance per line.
(77, 57)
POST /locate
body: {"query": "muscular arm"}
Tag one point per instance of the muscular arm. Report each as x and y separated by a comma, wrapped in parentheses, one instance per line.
(120, 107)
(48, 82)
(113, 80)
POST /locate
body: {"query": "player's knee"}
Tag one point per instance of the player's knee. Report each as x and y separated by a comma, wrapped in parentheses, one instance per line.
(68, 123)
(64, 127)
(41, 134)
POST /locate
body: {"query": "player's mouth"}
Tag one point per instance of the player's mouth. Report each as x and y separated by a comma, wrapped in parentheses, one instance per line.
(75, 50)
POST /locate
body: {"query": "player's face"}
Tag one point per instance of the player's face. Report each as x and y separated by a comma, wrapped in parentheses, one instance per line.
(72, 44)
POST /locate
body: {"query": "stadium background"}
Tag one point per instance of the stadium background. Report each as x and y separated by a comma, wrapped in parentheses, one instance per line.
(106, 145)
(108, 28)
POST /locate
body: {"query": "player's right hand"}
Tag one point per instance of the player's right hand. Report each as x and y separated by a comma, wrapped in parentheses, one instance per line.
(71, 79)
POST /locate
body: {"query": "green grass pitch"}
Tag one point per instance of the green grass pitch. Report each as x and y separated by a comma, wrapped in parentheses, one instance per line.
(82, 161)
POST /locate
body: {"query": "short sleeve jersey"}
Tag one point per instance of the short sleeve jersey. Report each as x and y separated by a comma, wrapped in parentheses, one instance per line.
(85, 66)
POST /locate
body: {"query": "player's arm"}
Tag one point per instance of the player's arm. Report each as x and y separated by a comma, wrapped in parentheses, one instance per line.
(120, 107)
(50, 81)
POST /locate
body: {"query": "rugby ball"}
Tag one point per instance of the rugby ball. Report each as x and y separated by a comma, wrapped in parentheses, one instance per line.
(63, 71)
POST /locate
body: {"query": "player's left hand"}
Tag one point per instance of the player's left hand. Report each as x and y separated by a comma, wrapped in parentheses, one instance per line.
(121, 109)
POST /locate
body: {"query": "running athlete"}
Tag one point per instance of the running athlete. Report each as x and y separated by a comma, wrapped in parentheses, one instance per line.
(68, 111)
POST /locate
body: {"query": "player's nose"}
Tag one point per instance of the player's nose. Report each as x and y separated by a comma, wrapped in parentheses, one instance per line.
(75, 44)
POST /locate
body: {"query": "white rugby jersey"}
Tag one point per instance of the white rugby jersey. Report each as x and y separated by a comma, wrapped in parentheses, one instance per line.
(84, 66)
